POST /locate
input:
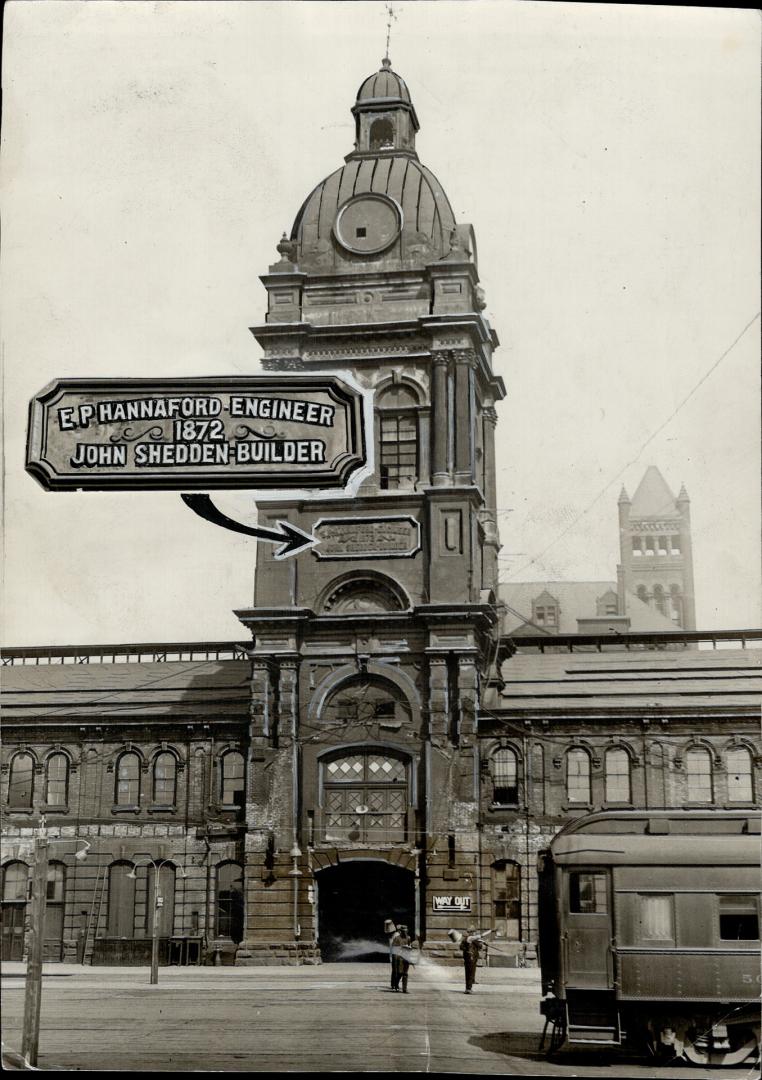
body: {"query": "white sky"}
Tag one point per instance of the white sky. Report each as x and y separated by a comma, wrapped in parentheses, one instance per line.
(607, 157)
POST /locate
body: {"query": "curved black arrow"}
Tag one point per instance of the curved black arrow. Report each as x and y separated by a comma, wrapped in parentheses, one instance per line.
(292, 538)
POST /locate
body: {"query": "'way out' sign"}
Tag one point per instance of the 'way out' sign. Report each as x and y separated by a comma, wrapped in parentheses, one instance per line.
(261, 431)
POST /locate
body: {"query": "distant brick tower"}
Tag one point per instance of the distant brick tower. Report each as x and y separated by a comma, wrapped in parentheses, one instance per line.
(656, 555)
(369, 651)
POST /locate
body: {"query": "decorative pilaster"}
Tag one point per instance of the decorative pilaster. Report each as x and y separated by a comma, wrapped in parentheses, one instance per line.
(440, 363)
(439, 703)
(463, 406)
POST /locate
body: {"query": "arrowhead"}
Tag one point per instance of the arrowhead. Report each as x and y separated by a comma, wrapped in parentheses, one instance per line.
(296, 540)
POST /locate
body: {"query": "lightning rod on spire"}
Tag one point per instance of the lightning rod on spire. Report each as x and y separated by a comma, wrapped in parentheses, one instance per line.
(390, 15)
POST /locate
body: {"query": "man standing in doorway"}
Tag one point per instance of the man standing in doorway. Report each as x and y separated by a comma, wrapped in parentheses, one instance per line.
(470, 946)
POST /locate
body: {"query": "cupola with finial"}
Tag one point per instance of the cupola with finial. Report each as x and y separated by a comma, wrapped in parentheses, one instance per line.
(385, 118)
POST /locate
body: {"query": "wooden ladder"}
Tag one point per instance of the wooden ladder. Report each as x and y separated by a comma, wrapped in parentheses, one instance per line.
(94, 918)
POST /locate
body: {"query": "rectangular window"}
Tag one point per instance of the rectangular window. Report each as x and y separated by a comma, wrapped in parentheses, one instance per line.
(739, 918)
(587, 893)
(399, 451)
(656, 918)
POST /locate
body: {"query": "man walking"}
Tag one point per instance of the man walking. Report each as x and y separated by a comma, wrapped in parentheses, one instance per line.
(470, 946)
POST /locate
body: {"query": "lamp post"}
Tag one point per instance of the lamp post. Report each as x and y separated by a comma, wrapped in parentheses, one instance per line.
(157, 902)
(30, 1036)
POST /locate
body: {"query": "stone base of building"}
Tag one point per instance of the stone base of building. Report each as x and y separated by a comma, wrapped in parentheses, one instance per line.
(278, 954)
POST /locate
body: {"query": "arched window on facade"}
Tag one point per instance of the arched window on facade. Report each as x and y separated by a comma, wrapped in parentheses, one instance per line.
(365, 797)
(740, 775)
(674, 545)
(54, 911)
(121, 901)
(504, 767)
(57, 780)
(637, 549)
(659, 599)
(381, 135)
(698, 770)
(662, 545)
(578, 776)
(15, 895)
(643, 593)
(232, 779)
(229, 911)
(618, 786)
(396, 408)
(128, 780)
(21, 782)
(165, 779)
(506, 900)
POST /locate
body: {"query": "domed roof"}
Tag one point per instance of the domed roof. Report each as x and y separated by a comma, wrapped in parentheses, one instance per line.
(384, 84)
(427, 217)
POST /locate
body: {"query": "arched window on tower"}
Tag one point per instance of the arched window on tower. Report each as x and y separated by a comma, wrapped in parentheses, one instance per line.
(637, 549)
(381, 134)
(674, 545)
(660, 599)
(643, 593)
(396, 408)
(676, 604)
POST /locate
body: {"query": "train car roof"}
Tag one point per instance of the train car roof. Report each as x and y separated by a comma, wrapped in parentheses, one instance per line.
(678, 837)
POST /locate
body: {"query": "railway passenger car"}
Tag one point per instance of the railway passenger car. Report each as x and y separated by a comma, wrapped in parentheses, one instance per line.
(649, 933)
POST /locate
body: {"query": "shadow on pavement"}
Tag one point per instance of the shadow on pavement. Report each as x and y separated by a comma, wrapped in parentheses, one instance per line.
(527, 1045)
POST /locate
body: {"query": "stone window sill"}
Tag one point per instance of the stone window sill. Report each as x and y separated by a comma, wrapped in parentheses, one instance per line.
(160, 809)
(504, 806)
(20, 810)
(125, 809)
(577, 806)
(55, 809)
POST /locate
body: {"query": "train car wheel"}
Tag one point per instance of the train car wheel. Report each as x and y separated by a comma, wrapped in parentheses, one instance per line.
(701, 1051)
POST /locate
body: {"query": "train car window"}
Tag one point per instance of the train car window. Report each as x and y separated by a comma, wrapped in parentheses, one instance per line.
(587, 893)
(739, 918)
(657, 920)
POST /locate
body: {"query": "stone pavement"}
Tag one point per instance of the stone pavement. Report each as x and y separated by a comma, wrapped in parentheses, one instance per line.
(328, 1018)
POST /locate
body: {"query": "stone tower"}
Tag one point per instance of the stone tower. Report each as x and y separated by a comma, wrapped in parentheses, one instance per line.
(656, 555)
(369, 651)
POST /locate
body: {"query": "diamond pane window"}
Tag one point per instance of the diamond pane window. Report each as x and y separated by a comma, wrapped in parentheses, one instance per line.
(365, 798)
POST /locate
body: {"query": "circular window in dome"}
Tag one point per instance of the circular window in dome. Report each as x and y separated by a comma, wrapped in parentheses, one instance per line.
(368, 223)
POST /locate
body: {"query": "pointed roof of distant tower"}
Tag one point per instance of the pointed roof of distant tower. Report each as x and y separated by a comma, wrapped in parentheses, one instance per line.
(653, 498)
(623, 496)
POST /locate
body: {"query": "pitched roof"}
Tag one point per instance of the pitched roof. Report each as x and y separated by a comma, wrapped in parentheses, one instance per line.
(653, 498)
(211, 690)
(631, 681)
(576, 600)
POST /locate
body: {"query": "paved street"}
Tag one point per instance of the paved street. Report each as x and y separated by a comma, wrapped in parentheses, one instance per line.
(332, 1018)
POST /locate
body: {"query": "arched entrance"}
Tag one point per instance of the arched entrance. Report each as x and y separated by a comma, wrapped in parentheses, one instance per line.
(354, 900)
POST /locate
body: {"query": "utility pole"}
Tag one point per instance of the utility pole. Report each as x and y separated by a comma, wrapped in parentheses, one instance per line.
(33, 990)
